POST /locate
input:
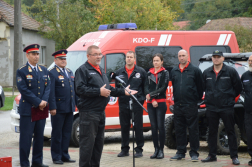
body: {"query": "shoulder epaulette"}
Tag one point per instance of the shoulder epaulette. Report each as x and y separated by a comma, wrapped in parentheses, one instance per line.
(57, 69)
(42, 65)
(22, 67)
(68, 70)
(52, 68)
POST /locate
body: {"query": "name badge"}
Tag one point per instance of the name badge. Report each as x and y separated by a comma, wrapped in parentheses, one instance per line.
(29, 77)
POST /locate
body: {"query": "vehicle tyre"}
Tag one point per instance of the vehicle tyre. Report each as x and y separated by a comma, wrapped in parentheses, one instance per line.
(222, 139)
(46, 138)
(75, 132)
(170, 137)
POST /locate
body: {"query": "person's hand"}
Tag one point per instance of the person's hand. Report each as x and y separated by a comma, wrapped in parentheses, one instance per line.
(53, 112)
(155, 104)
(104, 92)
(129, 90)
(42, 105)
(148, 97)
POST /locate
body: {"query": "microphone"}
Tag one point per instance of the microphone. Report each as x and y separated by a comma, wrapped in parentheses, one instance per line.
(120, 80)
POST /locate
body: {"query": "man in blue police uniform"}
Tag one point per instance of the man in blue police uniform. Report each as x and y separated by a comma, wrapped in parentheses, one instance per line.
(62, 106)
(33, 83)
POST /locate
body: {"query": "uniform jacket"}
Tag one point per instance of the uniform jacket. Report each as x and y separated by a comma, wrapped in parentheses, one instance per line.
(136, 82)
(187, 86)
(88, 82)
(156, 90)
(33, 87)
(247, 88)
(220, 92)
(62, 95)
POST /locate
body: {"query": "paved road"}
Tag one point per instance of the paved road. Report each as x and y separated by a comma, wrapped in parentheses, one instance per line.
(5, 122)
(9, 146)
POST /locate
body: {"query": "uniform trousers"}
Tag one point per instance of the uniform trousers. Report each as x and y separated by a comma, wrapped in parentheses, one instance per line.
(27, 130)
(125, 116)
(186, 117)
(92, 127)
(227, 117)
(157, 118)
(61, 133)
(248, 126)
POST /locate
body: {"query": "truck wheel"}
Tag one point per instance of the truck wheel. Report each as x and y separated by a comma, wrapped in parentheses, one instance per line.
(75, 132)
(170, 138)
(222, 140)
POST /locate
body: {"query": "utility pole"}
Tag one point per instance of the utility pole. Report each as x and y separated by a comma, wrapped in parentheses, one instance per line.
(18, 58)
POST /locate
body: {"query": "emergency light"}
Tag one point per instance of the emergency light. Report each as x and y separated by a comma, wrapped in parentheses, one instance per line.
(119, 26)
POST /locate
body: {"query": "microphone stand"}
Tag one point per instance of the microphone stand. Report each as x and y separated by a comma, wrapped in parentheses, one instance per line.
(132, 117)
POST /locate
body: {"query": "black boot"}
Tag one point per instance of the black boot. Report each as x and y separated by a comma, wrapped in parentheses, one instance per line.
(155, 154)
(160, 154)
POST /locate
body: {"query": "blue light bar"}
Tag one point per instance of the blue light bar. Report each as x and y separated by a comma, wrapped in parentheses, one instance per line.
(119, 26)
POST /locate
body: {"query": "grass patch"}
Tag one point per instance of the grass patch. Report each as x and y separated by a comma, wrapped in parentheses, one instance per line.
(8, 104)
(8, 89)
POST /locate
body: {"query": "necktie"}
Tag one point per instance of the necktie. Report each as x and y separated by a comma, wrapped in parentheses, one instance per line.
(35, 71)
(65, 72)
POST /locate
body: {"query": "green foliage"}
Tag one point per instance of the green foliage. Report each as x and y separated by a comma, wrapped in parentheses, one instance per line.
(147, 14)
(63, 22)
(241, 8)
(243, 36)
(204, 11)
(11, 2)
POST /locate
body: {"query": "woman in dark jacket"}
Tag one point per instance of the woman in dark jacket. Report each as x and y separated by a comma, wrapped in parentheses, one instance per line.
(155, 89)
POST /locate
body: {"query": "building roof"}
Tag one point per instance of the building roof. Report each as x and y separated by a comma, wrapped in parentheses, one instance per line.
(181, 24)
(220, 24)
(7, 16)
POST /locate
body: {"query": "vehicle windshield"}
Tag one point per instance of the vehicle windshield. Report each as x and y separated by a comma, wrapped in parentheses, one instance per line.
(240, 66)
(75, 59)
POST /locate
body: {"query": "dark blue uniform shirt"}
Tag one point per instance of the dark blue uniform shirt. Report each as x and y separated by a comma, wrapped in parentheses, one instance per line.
(62, 96)
(33, 86)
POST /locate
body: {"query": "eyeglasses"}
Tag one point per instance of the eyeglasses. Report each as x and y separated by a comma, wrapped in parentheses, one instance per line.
(96, 55)
(249, 60)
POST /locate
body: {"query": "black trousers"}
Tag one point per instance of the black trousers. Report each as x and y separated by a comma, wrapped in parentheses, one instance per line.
(157, 118)
(186, 117)
(92, 126)
(61, 133)
(125, 117)
(227, 117)
(27, 130)
(248, 126)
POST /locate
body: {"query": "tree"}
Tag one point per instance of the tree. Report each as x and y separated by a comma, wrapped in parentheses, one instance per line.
(175, 5)
(242, 8)
(147, 14)
(62, 21)
(186, 6)
(208, 10)
(243, 36)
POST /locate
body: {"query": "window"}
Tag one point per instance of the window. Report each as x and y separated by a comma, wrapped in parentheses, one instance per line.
(114, 62)
(196, 52)
(170, 54)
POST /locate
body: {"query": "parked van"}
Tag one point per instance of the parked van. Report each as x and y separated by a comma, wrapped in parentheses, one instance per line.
(115, 40)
